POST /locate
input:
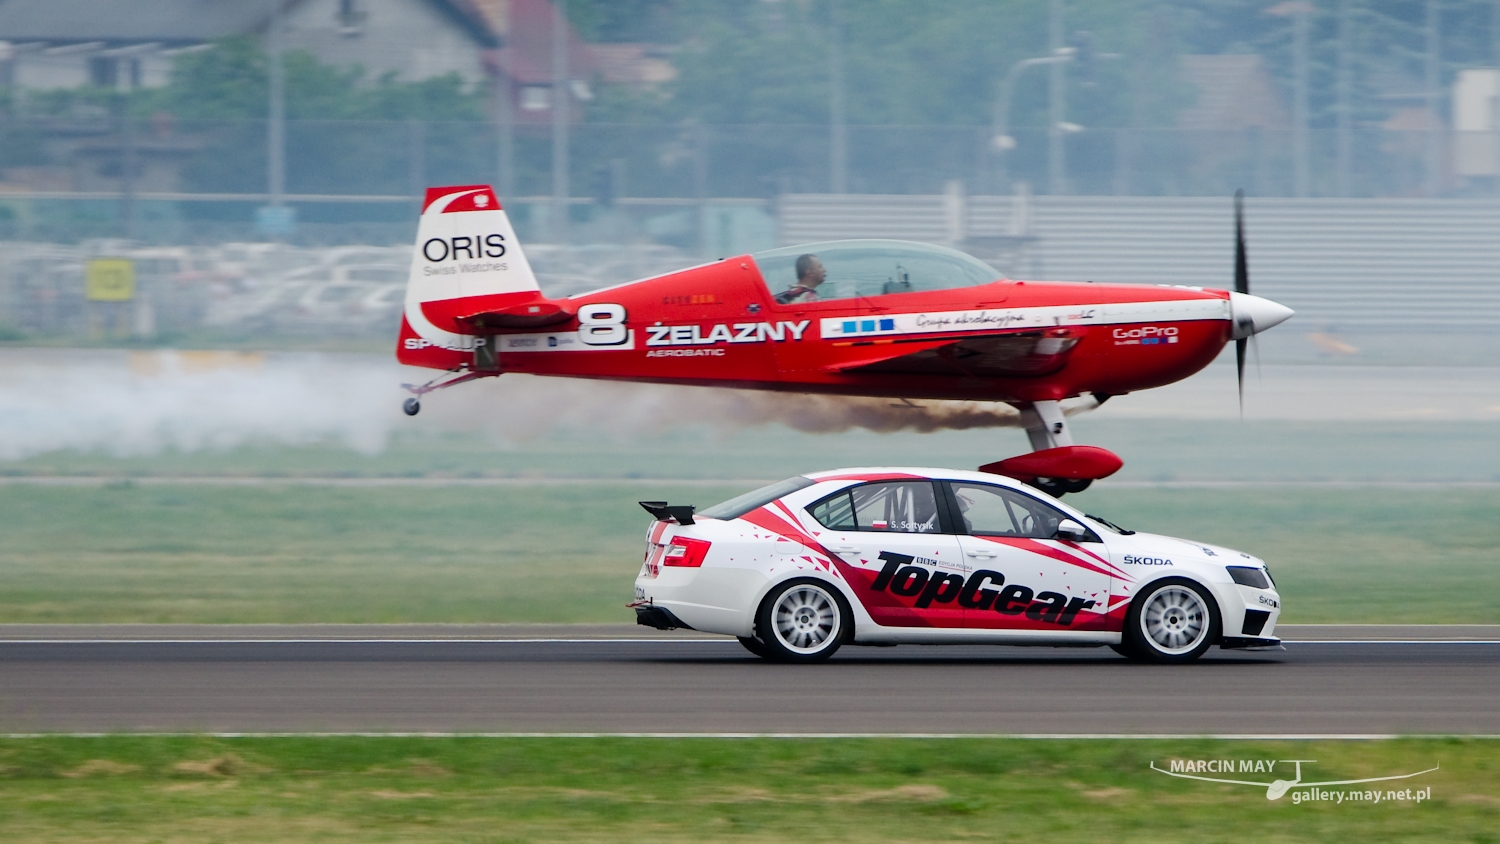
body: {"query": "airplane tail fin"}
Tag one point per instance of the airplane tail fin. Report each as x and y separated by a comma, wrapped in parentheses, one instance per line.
(468, 276)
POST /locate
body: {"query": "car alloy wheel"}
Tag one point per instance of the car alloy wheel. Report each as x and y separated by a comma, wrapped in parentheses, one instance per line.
(802, 621)
(1173, 622)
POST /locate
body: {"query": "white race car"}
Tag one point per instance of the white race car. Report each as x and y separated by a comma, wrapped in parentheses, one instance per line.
(933, 556)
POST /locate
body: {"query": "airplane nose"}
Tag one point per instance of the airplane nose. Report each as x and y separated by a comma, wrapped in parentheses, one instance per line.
(1253, 314)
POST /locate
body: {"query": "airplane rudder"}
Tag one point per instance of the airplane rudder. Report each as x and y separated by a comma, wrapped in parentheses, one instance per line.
(466, 246)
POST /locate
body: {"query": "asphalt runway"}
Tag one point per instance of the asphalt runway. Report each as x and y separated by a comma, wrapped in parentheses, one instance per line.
(689, 684)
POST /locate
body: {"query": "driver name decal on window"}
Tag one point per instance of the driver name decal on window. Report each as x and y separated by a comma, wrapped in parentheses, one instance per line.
(888, 507)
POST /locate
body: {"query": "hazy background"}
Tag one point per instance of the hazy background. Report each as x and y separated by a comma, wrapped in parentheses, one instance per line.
(260, 165)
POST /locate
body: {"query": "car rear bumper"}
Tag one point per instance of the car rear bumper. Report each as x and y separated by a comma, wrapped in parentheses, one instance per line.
(660, 618)
(708, 599)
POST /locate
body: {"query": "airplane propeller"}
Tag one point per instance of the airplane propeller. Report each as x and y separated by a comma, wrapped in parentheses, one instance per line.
(1250, 314)
(1243, 324)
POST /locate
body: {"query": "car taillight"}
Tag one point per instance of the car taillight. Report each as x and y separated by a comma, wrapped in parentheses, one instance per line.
(684, 552)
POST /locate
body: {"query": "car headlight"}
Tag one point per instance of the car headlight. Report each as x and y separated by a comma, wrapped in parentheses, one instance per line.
(1252, 577)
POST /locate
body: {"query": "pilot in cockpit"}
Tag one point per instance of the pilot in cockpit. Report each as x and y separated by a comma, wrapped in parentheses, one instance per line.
(810, 274)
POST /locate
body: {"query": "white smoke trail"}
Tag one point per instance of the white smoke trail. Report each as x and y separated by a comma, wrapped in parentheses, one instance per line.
(96, 402)
(142, 404)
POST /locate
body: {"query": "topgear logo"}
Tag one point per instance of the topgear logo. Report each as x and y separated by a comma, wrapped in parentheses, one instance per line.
(900, 576)
(1301, 792)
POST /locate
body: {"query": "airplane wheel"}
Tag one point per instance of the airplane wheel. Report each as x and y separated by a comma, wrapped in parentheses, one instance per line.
(1058, 487)
(411, 407)
(1051, 486)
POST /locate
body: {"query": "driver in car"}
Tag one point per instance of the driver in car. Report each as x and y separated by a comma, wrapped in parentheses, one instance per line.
(810, 274)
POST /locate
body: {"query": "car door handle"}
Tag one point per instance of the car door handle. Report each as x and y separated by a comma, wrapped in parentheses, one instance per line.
(984, 555)
(845, 549)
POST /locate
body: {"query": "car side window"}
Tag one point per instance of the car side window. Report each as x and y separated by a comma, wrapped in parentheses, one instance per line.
(988, 510)
(836, 512)
(886, 506)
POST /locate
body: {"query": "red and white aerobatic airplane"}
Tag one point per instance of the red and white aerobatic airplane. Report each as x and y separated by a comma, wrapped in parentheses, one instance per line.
(857, 317)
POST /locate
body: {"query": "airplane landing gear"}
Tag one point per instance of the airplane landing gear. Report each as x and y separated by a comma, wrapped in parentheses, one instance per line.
(1055, 465)
(413, 405)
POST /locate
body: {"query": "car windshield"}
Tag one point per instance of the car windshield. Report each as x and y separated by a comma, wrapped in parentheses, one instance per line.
(851, 268)
(742, 504)
(1110, 525)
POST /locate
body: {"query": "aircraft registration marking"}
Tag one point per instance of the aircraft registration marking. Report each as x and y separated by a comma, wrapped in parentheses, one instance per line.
(560, 341)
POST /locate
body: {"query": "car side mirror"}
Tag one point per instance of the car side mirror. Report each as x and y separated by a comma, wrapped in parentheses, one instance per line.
(1071, 531)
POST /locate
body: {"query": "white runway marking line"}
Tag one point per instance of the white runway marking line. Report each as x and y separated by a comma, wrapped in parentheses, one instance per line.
(350, 641)
(1397, 642)
(235, 480)
(721, 641)
(799, 736)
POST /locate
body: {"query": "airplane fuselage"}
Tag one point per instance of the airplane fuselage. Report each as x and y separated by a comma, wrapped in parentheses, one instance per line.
(719, 325)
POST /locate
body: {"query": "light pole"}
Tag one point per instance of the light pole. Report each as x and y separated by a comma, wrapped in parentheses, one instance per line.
(1298, 12)
(276, 125)
(561, 112)
(1343, 163)
(1432, 79)
(1003, 141)
(505, 128)
(1299, 37)
(838, 136)
(1057, 90)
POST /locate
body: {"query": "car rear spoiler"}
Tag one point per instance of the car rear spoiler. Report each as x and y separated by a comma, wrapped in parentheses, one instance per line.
(682, 514)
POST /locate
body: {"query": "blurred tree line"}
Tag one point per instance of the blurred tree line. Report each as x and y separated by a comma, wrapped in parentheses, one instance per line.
(932, 63)
(940, 61)
(345, 133)
(937, 63)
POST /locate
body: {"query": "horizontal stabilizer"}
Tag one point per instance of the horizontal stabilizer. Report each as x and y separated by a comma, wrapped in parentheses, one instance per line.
(525, 315)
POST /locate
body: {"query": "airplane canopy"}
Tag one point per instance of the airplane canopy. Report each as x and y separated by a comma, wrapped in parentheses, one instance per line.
(874, 267)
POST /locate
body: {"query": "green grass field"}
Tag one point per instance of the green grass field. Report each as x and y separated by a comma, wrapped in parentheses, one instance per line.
(1153, 449)
(333, 789)
(567, 553)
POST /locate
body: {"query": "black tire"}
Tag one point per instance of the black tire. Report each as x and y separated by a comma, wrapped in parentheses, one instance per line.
(1173, 620)
(1058, 487)
(803, 620)
(1126, 651)
(755, 646)
(1054, 487)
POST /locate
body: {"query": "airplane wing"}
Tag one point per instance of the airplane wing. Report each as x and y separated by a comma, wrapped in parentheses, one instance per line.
(1018, 354)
